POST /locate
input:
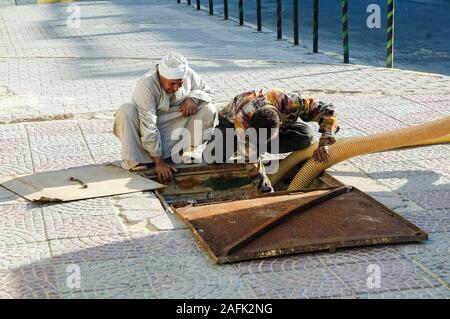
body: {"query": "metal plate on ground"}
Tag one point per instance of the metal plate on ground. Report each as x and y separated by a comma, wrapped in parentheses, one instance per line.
(77, 183)
(350, 219)
(223, 179)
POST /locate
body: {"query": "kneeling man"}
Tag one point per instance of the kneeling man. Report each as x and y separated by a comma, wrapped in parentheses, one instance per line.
(172, 97)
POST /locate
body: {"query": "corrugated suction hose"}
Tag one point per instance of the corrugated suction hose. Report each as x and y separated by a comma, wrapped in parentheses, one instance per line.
(433, 132)
(290, 161)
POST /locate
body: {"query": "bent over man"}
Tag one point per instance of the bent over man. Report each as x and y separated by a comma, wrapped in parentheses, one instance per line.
(281, 111)
(277, 115)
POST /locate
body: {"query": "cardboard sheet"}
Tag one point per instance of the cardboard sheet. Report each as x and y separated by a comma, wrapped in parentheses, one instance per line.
(77, 183)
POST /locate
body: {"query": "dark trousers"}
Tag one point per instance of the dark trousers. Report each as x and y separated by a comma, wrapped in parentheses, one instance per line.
(296, 137)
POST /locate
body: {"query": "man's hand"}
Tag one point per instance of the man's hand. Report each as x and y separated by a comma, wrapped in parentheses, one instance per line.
(321, 154)
(164, 171)
(188, 107)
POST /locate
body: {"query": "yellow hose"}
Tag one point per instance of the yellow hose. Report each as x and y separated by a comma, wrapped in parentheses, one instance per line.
(438, 140)
(290, 161)
(299, 156)
(433, 132)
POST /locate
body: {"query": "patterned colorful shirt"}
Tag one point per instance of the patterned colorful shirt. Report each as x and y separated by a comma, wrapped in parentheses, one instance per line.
(290, 107)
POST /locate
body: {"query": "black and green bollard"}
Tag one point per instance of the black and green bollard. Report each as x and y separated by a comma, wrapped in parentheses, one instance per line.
(241, 12)
(258, 15)
(198, 4)
(316, 26)
(345, 31)
(296, 41)
(189, 2)
(225, 9)
(390, 35)
(279, 21)
(211, 7)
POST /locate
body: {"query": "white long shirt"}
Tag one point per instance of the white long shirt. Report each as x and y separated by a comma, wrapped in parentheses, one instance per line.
(153, 105)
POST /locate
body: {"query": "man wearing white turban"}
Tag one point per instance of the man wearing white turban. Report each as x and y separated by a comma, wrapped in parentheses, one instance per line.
(173, 96)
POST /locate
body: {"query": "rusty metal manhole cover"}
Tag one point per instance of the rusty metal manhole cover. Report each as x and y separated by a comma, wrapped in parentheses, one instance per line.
(293, 222)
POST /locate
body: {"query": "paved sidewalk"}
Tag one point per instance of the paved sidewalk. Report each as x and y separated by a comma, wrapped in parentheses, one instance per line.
(127, 246)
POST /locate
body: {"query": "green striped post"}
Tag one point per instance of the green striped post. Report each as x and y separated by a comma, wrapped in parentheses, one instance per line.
(225, 9)
(296, 22)
(211, 7)
(279, 21)
(316, 26)
(258, 15)
(198, 4)
(390, 35)
(345, 30)
(189, 2)
(241, 12)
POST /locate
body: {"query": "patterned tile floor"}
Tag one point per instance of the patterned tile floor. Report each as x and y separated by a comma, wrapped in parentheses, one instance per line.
(128, 246)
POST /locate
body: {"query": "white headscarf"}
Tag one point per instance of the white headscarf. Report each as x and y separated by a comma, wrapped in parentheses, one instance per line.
(173, 66)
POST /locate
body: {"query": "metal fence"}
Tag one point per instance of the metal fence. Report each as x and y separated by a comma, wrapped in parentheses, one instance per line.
(295, 12)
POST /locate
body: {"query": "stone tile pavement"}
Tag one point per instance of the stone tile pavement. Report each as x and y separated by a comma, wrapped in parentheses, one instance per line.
(128, 246)
(52, 69)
